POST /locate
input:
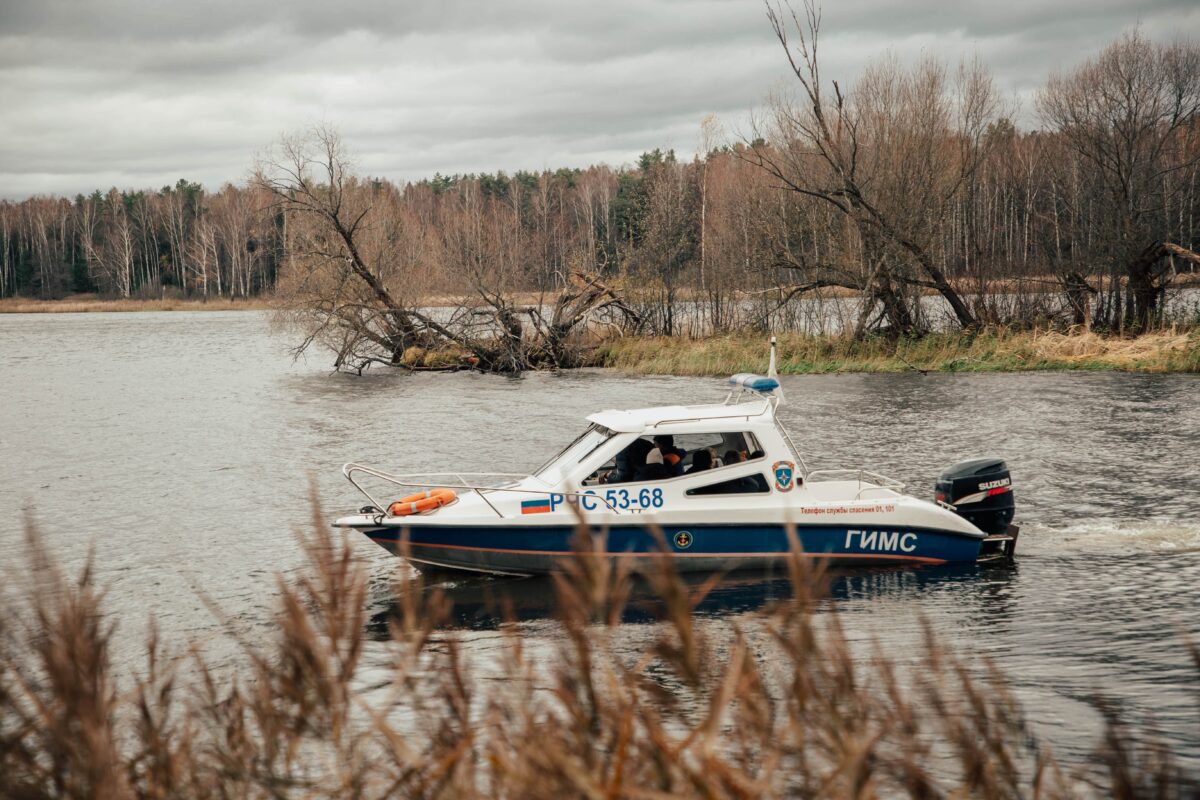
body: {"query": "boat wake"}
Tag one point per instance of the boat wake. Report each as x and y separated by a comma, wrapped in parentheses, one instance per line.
(1114, 536)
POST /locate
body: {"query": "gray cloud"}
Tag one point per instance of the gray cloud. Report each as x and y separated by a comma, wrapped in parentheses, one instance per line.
(137, 93)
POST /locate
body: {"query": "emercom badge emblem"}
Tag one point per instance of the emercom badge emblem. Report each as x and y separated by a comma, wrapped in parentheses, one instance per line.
(784, 475)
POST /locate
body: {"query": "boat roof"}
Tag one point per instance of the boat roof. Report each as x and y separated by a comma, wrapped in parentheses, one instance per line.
(665, 418)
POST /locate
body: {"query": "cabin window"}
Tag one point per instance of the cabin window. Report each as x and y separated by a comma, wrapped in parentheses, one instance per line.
(600, 442)
(743, 445)
(684, 457)
(587, 443)
(747, 484)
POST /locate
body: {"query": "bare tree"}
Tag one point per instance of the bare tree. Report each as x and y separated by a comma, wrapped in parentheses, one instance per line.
(364, 261)
(343, 285)
(114, 254)
(890, 156)
(484, 242)
(1132, 115)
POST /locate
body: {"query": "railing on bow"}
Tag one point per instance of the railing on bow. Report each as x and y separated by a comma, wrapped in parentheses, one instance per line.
(462, 480)
(864, 476)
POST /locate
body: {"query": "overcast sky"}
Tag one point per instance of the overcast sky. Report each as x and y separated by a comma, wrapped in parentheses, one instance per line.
(138, 93)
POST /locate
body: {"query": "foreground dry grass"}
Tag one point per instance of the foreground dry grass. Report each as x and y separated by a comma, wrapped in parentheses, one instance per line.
(800, 718)
(79, 304)
(988, 351)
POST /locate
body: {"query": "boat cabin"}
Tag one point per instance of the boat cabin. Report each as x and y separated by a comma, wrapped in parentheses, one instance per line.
(725, 448)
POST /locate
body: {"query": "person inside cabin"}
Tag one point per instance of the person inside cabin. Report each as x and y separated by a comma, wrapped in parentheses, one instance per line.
(629, 462)
(746, 483)
(702, 460)
(672, 456)
(655, 469)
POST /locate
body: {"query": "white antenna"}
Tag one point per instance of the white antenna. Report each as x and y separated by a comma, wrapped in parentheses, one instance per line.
(771, 373)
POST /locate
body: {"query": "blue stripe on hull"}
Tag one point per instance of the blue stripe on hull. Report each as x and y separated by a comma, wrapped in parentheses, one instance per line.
(540, 549)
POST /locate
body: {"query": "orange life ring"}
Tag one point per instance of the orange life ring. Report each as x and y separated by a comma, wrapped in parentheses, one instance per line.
(421, 502)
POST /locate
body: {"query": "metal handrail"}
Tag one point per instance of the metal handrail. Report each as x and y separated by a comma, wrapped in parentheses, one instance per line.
(861, 475)
(792, 446)
(405, 480)
(766, 407)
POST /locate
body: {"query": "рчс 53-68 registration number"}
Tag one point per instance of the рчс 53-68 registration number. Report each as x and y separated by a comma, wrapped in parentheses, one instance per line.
(622, 499)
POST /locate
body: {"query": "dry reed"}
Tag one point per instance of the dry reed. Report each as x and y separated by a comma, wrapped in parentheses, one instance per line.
(701, 712)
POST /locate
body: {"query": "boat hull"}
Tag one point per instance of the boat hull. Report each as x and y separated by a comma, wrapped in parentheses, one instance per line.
(540, 549)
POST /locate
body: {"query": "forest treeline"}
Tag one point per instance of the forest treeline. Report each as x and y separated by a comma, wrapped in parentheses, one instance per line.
(903, 203)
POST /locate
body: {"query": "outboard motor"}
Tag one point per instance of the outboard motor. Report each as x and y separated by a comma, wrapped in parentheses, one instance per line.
(980, 491)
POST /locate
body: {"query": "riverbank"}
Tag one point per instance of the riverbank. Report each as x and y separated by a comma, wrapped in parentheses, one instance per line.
(90, 303)
(995, 351)
(1171, 351)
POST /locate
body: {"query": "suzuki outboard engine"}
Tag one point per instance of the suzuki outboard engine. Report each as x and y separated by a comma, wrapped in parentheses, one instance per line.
(981, 491)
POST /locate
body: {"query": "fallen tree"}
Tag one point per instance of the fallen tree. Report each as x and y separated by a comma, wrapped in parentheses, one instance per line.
(377, 282)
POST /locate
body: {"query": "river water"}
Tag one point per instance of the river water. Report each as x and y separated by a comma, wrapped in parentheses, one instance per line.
(178, 448)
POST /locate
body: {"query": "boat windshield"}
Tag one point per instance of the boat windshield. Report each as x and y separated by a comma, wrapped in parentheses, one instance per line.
(576, 451)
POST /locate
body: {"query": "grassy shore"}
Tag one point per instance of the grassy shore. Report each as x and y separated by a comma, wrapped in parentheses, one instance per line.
(989, 351)
(993, 351)
(88, 303)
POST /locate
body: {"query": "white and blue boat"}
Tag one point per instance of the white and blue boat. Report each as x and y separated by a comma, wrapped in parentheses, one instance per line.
(712, 487)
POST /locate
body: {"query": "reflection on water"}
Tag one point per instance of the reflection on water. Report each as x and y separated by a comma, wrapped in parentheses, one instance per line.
(481, 602)
(180, 447)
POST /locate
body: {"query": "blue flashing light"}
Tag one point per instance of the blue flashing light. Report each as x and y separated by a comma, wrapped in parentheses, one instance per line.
(755, 383)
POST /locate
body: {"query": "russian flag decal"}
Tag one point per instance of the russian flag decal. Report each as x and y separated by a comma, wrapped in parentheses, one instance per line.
(535, 506)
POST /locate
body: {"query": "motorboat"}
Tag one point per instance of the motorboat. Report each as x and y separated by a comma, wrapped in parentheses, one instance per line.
(720, 486)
